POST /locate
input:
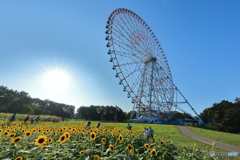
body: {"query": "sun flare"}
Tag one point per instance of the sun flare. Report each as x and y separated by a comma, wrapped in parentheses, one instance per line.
(56, 80)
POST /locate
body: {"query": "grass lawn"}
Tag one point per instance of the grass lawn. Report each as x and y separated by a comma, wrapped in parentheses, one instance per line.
(229, 138)
(171, 131)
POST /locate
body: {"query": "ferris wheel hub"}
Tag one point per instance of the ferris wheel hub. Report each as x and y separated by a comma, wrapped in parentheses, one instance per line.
(151, 59)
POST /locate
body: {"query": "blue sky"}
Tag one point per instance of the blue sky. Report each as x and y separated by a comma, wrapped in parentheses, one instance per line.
(200, 40)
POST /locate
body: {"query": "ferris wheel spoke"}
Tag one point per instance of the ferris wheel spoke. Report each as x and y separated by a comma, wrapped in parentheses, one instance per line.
(123, 42)
(125, 54)
(124, 31)
(132, 83)
(143, 35)
(134, 86)
(125, 64)
(140, 33)
(130, 45)
(126, 51)
(166, 89)
(131, 73)
(147, 42)
(134, 30)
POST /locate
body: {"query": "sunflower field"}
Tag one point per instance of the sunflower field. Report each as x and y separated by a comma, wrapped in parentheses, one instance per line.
(67, 141)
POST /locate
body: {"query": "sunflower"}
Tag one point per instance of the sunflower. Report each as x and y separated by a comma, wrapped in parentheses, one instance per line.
(0, 139)
(81, 152)
(93, 136)
(50, 140)
(214, 144)
(120, 138)
(17, 139)
(62, 139)
(195, 146)
(133, 136)
(67, 135)
(161, 142)
(146, 145)
(73, 129)
(153, 152)
(12, 135)
(80, 137)
(28, 133)
(5, 133)
(103, 140)
(130, 148)
(19, 158)
(41, 140)
(96, 157)
(111, 147)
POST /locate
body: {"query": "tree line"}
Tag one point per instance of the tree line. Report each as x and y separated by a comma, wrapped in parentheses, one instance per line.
(103, 113)
(21, 102)
(224, 115)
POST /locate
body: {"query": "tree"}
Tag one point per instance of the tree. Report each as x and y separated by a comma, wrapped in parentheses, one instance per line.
(176, 114)
(225, 115)
(101, 113)
(27, 109)
(206, 115)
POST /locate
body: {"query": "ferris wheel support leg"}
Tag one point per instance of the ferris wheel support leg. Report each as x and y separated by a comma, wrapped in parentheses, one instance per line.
(151, 90)
(199, 118)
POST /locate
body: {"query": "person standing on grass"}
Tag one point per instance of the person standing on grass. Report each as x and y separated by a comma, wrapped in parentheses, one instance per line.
(12, 118)
(146, 133)
(33, 119)
(129, 127)
(88, 125)
(151, 132)
(38, 119)
(98, 126)
(26, 119)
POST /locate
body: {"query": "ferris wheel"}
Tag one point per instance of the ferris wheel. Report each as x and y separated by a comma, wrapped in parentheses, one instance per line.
(140, 64)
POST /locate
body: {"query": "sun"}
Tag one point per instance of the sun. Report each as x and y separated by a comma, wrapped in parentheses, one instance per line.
(56, 79)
